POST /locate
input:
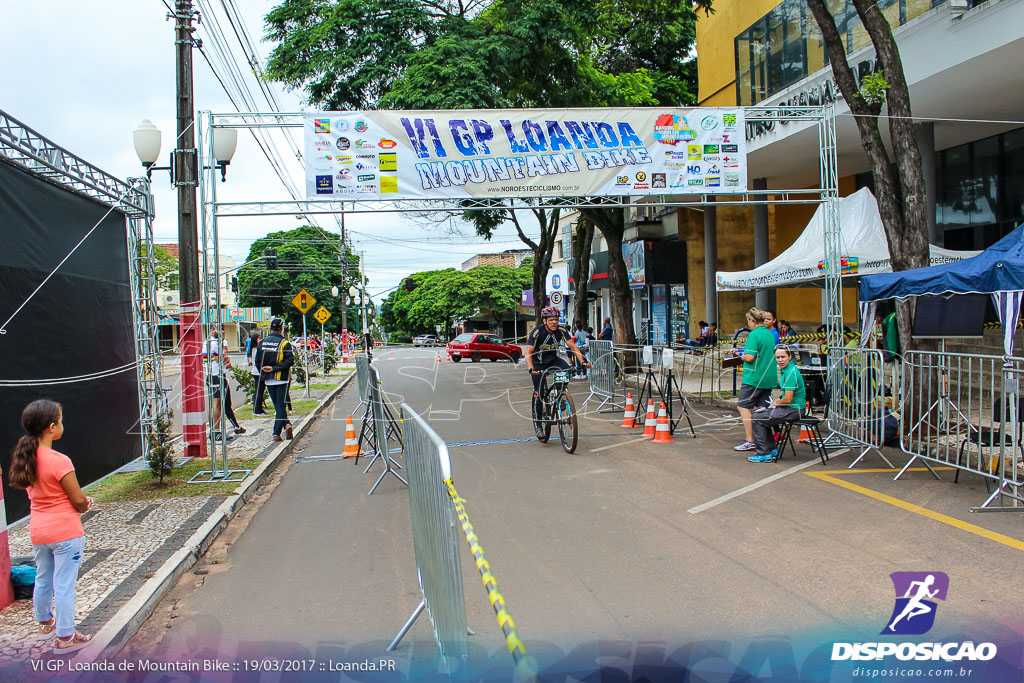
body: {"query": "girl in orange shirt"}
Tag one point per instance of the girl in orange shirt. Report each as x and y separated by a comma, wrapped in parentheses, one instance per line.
(55, 525)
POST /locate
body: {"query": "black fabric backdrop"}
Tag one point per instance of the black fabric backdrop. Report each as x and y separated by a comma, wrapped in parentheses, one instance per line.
(80, 322)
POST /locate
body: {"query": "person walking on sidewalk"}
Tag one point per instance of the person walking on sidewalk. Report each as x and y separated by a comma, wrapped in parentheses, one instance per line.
(55, 524)
(275, 358)
(259, 392)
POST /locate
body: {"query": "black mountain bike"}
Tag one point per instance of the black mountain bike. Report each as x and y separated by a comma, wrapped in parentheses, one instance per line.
(556, 408)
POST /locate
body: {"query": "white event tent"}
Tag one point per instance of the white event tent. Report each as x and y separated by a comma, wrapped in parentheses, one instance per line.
(864, 251)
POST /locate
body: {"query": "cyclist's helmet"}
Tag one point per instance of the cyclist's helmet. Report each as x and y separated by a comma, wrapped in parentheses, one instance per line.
(550, 312)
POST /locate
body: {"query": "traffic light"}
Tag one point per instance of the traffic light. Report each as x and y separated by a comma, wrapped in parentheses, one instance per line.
(234, 285)
(271, 256)
(408, 284)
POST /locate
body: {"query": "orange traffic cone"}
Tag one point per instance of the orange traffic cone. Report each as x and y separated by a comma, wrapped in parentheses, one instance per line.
(629, 419)
(650, 423)
(663, 434)
(438, 356)
(448, 356)
(351, 442)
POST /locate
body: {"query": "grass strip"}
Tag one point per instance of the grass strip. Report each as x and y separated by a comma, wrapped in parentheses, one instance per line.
(144, 486)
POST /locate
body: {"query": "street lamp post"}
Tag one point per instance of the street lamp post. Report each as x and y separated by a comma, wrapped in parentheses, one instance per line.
(184, 168)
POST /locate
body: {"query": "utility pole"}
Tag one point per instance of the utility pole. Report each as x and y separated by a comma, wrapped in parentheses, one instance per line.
(344, 274)
(185, 174)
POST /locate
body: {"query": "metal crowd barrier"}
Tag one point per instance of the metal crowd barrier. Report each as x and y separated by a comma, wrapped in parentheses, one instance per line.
(602, 371)
(381, 430)
(963, 411)
(435, 536)
(856, 401)
(363, 380)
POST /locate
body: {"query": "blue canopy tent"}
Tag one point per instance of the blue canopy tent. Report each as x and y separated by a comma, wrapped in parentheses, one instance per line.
(999, 271)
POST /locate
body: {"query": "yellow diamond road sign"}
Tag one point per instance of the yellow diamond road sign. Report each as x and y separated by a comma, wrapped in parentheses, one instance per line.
(322, 315)
(303, 301)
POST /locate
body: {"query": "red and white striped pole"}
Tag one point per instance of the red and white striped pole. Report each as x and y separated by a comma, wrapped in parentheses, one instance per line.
(193, 393)
(6, 587)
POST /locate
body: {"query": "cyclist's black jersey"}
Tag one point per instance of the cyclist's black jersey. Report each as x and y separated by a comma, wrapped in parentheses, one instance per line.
(545, 344)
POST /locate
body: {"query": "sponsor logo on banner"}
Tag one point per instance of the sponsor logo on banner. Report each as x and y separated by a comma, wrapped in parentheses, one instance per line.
(675, 164)
(365, 156)
(361, 126)
(342, 159)
(714, 169)
(695, 181)
(365, 144)
(388, 184)
(322, 144)
(726, 138)
(389, 161)
(710, 149)
(694, 152)
(365, 178)
(641, 186)
(321, 126)
(343, 144)
(712, 181)
(730, 149)
(366, 187)
(711, 157)
(344, 174)
(731, 179)
(695, 168)
(622, 180)
(670, 129)
(360, 166)
(324, 184)
(729, 121)
(658, 180)
(385, 143)
(670, 154)
(641, 177)
(914, 611)
(340, 125)
(709, 122)
(849, 265)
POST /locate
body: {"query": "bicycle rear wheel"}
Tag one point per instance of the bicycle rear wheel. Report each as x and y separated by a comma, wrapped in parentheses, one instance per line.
(541, 425)
(565, 414)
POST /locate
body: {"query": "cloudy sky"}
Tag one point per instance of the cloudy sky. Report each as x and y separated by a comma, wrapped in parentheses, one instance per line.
(85, 74)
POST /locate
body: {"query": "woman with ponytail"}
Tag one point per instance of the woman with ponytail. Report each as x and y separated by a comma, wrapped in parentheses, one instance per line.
(55, 525)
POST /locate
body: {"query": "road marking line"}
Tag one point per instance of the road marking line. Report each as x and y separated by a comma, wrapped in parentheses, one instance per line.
(624, 443)
(747, 489)
(829, 476)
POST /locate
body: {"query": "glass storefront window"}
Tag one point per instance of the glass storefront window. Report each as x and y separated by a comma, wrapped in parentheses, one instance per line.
(785, 45)
(679, 307)
(980, 190)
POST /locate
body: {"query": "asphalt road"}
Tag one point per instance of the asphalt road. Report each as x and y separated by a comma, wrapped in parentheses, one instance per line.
(625, 551)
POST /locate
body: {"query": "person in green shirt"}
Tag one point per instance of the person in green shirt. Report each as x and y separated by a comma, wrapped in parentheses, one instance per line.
(759, 377)
(892, 335)
(786, 408)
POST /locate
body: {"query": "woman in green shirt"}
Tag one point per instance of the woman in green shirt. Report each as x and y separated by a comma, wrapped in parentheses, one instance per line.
(786, 408)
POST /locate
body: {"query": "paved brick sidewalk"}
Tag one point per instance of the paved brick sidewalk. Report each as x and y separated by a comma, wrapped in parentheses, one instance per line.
(129, 542)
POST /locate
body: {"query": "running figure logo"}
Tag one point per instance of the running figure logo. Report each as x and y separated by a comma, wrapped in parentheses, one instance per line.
(916, 593)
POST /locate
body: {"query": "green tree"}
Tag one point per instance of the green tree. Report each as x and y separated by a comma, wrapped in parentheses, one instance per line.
(899, 179)
(513, 53)
(166, 268)
(308, 258)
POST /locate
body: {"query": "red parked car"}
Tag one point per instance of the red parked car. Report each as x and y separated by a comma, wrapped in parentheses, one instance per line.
(478, 345)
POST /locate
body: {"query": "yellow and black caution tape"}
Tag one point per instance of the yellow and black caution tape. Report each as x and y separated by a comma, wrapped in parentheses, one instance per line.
(508, 627)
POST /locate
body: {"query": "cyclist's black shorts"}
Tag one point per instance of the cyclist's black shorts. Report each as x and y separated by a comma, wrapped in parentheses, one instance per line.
(547, 368)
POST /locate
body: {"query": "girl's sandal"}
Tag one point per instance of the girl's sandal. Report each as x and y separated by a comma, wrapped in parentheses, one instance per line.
(46, 627)
(72, 644)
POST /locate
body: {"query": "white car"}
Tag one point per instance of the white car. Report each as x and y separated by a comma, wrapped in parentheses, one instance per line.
(425, 340)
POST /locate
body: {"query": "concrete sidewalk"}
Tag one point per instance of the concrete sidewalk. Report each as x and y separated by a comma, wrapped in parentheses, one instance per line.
(136, 550)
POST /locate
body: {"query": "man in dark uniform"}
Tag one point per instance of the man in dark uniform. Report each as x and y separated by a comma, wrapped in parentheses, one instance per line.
(275, 357)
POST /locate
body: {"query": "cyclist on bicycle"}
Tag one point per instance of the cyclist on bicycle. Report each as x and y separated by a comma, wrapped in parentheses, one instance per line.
(542, 348)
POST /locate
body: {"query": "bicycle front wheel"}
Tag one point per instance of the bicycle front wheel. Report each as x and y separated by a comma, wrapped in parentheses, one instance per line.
(565, 414)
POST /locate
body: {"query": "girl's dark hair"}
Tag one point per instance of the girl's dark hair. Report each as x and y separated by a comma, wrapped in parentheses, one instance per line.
(35, 419)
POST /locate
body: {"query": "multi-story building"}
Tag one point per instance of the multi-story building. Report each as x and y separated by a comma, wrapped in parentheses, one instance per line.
(511, 258)
(962, 63)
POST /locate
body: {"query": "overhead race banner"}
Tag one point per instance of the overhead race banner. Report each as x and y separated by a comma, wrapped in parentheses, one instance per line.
(460, 154)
